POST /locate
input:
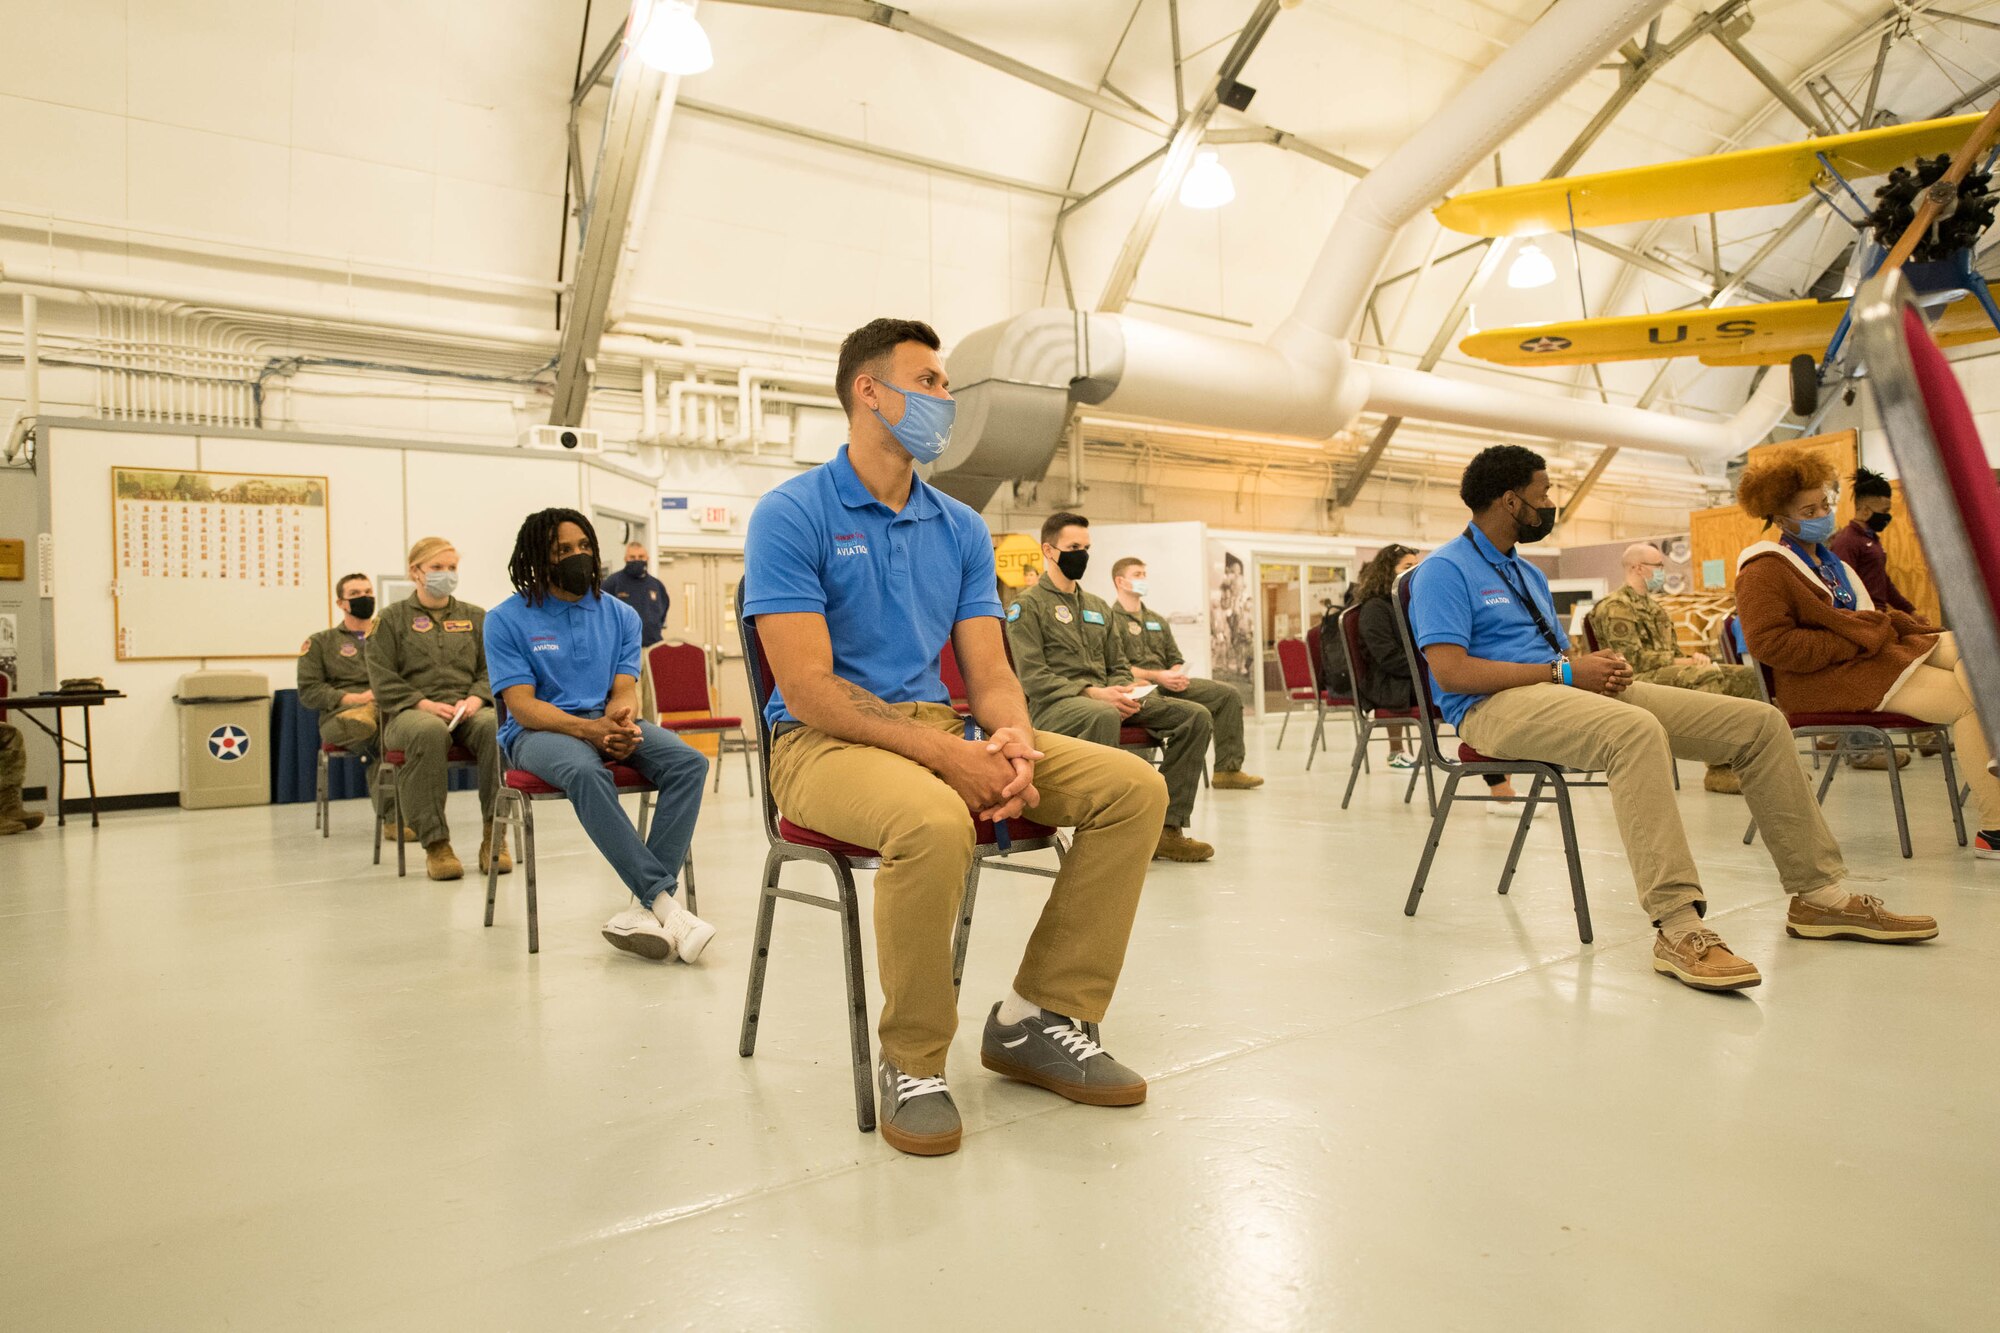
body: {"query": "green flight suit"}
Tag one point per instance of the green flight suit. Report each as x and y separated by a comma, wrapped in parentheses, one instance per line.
(1063, 645)
(333, 664)
(417, 653)
(1148, 642)
(1632, 623)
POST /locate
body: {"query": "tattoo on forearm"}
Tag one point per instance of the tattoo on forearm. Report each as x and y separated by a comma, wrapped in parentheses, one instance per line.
(867, 704)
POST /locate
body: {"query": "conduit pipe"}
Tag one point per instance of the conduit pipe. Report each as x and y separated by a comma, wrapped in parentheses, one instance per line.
(1020, 379)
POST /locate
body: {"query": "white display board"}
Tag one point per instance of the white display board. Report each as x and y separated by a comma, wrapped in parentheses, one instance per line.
(216, 564)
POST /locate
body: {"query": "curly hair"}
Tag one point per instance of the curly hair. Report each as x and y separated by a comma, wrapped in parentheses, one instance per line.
(1378, 576)
(529, 568)
(1495, 471)
(1772, 478)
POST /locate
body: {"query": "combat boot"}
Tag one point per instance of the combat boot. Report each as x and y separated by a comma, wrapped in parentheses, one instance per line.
(1178, 846)
(441, 862)
(12, 812)
(488, 851)
(9, 827)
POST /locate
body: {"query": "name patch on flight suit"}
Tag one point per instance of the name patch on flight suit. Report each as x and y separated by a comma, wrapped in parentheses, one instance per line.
(348, 650)
(458, 627)
(1151, 624)
(1063, 615)
(1092, 618)
(421, 624)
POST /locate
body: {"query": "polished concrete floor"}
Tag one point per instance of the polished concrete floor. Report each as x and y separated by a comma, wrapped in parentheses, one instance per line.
(251, 1082)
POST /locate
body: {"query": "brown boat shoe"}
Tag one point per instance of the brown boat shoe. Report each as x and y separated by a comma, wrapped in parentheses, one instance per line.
(1700, 959)
(1861, 917)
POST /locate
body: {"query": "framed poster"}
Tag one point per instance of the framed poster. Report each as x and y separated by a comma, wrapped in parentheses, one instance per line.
(217, 564)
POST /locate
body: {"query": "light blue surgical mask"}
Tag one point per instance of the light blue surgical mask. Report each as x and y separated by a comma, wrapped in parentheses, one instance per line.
(925, 429)
(1816, 531)
(1656, 580)
(440, 582)
(1139, 587)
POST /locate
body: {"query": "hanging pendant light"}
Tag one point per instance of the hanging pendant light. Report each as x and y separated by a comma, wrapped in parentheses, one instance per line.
(673, 40)
(1531, 268)
(1207, 183)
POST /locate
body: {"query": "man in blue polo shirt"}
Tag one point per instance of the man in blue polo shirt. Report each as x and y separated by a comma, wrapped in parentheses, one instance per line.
(856, 575)
(564, 662)
(1506, 676)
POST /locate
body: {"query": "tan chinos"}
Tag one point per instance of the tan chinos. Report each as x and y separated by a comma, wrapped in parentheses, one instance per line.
(1631, 738)
(875, 798)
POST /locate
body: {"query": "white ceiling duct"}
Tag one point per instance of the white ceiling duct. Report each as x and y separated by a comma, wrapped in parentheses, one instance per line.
(1304, 380)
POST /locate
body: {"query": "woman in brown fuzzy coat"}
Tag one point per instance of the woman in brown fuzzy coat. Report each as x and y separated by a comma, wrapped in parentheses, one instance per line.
(1829, 648)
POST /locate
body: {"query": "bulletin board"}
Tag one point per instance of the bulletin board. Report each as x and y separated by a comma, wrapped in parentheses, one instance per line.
(217, 564)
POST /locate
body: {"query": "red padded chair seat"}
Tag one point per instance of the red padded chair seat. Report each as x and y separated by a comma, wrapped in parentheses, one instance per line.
(328, 748)
(1393, 714)
(702, 724)
(1019, 830)
(1468, 755)
(1304, 696)
(1136, 736)
(521, 780)
(457, 754)
(1890, 720)
(1333, 700)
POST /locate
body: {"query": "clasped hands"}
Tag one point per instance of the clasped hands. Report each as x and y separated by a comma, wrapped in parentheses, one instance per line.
(615, 735)
(1603, 672)
(996, 776)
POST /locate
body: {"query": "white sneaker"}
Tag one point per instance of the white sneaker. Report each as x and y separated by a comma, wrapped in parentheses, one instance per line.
(1401, 762)
(636, 930)
(688, 932)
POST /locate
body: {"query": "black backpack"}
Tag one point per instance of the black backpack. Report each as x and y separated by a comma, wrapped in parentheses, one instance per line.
(1333, 657)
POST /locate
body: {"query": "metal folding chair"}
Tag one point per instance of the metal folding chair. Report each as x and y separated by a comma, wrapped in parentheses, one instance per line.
(456, 758)
(791, 842)
(1325, 701)
(322, 792)
(1367, 718)
(680, 685)
(1470, 763)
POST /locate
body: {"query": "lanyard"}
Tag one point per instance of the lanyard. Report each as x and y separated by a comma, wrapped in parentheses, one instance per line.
(1833, 574)
(1519, 590)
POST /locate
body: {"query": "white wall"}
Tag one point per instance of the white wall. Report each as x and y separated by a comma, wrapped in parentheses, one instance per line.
(380, 500)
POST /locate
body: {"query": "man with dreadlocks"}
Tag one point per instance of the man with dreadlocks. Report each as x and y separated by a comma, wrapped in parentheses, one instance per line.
(564, 661)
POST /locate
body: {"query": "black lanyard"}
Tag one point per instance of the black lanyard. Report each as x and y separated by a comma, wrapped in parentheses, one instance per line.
(1520, 591)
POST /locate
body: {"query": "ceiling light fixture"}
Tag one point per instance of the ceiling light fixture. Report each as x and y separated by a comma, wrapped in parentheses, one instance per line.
(1207, 183)
(673, 40)
(1531, 268)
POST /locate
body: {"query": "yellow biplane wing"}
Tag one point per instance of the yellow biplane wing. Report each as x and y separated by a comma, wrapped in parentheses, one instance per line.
(1744, 335)
(1747, 179)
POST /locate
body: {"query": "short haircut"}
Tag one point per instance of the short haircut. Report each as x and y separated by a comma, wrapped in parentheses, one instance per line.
(1125, 563)
(870, 345)
(1638, 551)
(1772, 478)
(1869, 484)
(528, 569)
(340, 587)
(1053, 525)
(1495, 471)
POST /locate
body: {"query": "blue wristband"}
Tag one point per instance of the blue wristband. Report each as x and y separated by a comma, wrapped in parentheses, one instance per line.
(1568, 679)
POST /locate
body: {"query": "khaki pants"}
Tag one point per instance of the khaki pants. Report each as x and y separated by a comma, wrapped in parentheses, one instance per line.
(1938, 691)
(1630, 739)
(1225, 715)
(423, 780)
(1184, 727)
(875, 798)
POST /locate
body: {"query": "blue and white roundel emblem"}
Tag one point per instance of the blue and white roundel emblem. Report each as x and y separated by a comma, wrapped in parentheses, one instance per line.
(228, 743)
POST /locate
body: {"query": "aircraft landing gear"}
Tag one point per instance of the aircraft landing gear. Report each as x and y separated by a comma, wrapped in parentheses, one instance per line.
(1805, 385)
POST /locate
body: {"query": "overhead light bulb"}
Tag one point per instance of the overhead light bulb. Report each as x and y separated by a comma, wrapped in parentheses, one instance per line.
(1531, 268)
(673, 40)
(1207, 183)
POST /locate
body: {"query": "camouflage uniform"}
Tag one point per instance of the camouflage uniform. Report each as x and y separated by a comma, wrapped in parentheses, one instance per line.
(13, 772)
(1632, 623)
(1148, 641)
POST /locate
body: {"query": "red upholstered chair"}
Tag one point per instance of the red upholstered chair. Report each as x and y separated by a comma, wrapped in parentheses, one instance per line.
(1325, 701)
(1859, 733)
(322, 789)
(458, 757)
(514, 808)
(954, 679)
(680, 685)
(793, 842)
(1356, 649)
(1296, 672)
(1948, 482)
(1469, 762)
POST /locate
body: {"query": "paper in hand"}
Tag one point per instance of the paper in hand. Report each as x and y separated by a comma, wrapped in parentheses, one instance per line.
(1140, 691)
(457, 716)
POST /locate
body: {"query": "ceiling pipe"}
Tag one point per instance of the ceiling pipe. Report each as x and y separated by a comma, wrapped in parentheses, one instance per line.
(1019, 378)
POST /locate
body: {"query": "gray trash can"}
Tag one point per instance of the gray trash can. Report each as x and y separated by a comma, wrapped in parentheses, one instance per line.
(225, 725)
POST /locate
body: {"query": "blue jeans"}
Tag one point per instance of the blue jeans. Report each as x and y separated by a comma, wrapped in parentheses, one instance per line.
(678, 773)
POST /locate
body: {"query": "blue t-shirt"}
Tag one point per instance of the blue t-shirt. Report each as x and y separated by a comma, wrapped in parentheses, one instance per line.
(891, 585)
(1466, 592)
(568, 651)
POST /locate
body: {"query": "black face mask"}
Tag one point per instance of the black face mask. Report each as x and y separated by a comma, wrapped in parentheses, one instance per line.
(1544, 524)
(573, 573)
(635, 567)
(1072, 564)
(361, 608)
(1877, 522)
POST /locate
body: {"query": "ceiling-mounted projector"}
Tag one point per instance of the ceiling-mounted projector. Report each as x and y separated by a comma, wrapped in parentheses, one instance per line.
(564, 439)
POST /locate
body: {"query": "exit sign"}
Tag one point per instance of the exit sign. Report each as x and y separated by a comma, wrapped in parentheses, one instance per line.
(714, 518)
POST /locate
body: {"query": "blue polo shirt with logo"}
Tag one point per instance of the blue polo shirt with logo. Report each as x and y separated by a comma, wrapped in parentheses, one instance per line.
(569, 651)
(891, 585)
(1469, 593)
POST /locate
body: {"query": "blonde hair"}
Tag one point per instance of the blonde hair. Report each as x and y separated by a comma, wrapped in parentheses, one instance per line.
(427, 547)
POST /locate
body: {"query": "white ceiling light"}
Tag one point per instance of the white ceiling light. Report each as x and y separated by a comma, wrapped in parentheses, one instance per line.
(1531, 268)
(673, 40)
(1207, 183)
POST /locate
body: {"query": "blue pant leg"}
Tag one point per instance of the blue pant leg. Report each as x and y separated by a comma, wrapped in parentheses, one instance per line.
(679, 772)
(577, 767)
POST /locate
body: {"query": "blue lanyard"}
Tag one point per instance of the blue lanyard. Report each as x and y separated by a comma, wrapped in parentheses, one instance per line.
(1833, 573)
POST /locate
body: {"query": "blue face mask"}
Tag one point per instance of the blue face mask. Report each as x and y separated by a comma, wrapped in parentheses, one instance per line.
(1816, 531)
(925, 429)
(1656, 580)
